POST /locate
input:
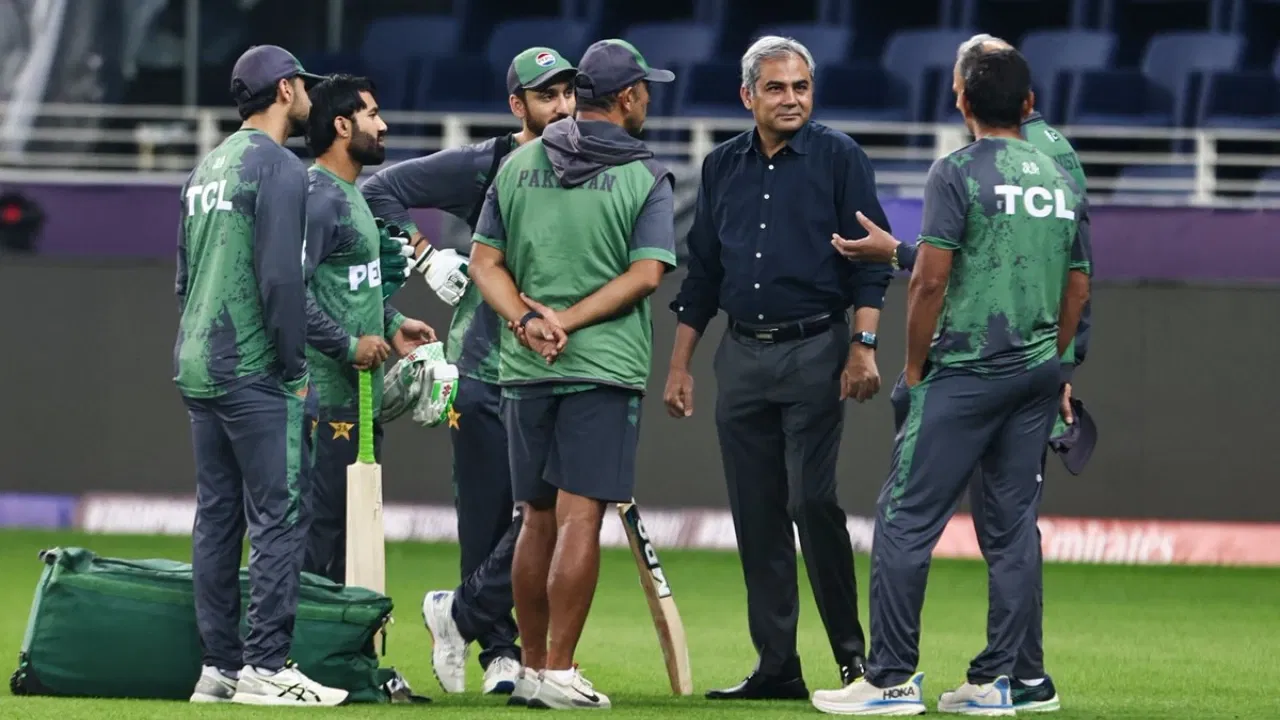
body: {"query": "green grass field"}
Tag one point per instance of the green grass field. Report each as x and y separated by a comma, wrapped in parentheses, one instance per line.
(1122, 642)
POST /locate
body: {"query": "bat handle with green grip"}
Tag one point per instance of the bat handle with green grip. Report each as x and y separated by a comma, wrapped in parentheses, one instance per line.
(364, 453)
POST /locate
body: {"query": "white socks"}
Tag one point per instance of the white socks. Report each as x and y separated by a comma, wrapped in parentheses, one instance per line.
(1032, 683)
(564, 677)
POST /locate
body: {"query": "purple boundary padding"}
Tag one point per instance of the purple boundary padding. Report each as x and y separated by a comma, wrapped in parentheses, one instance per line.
(38, 510)
(1129, 243)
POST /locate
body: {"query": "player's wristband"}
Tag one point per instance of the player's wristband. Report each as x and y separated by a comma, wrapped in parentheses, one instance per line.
(529, 316)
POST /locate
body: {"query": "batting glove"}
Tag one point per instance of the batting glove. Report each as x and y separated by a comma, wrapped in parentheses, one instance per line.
(446, 275)
(394, 250)
(436, 404)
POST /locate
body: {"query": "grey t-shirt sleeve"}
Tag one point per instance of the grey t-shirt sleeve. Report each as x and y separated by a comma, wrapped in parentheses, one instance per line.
(653, 237)
(1082, 245)
(180, 279)
(280, 217)
(946, 204)
(490, 230)
(323, 332)
(447, 180)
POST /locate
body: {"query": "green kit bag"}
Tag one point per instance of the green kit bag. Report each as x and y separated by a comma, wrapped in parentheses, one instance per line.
(117, 628)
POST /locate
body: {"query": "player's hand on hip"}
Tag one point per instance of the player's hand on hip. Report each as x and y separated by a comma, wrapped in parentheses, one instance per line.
(371, 351)
(1068, 416)
(911, 377)
(446, 275)
(678, 395)
(412, 334)
(860, 378)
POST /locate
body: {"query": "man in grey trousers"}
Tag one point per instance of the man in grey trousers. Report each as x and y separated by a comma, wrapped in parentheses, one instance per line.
(759, 248)
(241, 368)
(1000, 281)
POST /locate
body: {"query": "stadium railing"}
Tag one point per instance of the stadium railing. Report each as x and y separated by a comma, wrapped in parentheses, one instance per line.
(77, 143)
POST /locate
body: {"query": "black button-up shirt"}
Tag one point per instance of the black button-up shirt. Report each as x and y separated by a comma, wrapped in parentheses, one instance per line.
(760, 245)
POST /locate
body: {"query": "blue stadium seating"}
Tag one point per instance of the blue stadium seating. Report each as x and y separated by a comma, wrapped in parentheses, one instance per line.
(1173, 58)
(1247, 99)
(922, 60)
(829, 45)
(710, 89)
(1111, 62)
(393, 49)
(1158, 93)
(673, 43)
(462, 83)
(510, 37)
(860, 91)
(1056, 55)
(674, 46)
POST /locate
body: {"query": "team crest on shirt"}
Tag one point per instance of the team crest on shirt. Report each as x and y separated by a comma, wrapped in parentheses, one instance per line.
(545, 59)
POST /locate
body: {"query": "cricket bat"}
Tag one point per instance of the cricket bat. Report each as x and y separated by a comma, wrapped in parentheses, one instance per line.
(366, 539)
(662, 606)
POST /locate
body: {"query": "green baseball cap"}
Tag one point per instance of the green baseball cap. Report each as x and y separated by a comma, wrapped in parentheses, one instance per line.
(535, 67)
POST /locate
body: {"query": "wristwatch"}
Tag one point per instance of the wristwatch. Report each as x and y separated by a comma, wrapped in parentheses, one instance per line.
(893, 261)
(865, 338)
(531, 315)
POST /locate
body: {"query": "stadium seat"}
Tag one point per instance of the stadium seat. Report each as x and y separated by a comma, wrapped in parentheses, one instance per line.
(827, 44)
(392, 51)
(461, 83)
(410, 36)
(1240, 100)
(710, 89)
(510, 37)
(1117, 97)
(921, 59)
(860, 91)
(673, 46)
(1141, 184)
(672, 43)
(1158, 93)
(1172, 60)
(1055, 55)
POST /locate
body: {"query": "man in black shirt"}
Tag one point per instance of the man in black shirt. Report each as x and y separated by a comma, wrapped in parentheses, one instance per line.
(760, 249)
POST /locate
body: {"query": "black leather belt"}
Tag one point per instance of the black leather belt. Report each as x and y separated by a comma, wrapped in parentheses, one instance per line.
(796, 330)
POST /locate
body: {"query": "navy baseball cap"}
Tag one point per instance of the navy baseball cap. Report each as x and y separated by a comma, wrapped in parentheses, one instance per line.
(1074, 443)
(611, 65)
(261, 67)
(536, 67)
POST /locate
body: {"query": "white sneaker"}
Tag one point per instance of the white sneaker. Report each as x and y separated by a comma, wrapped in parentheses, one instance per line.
(214, 686)
(285, 687)
(526, 686)
(991, 699)
(567, 690)
(448, 650)
(500, 677)
(862, 698)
